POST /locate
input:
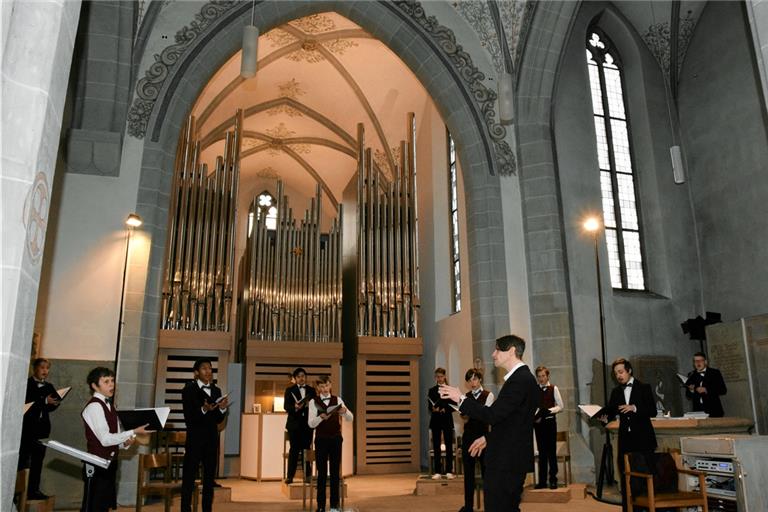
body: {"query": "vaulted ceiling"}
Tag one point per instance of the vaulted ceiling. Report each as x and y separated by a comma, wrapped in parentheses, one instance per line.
(317, 78)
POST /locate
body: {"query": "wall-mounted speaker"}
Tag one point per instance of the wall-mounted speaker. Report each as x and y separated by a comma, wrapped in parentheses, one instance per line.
(678, 170)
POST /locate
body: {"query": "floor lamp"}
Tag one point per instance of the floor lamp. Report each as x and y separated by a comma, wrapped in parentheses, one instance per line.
(592, 225)
(132, 222)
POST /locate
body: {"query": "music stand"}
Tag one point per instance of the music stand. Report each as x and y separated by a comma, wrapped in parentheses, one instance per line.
(90, 460)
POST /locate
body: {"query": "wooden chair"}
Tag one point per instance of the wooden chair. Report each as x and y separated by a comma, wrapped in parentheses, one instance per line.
(173, 446)
(311, 483)
(662, 487)
(20, 491)
(563, 451)
(145, 487)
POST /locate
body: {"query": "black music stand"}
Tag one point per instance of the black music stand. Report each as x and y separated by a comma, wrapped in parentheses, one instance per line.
(90, 460)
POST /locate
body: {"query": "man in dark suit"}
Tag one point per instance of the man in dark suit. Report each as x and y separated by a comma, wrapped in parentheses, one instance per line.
(509, 456)
(704, 387)
(36, 425)
(300, 435)
(441, 426)
(633, 402)
(203, 411)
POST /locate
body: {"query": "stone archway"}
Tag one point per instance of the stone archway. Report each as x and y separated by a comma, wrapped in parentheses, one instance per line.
(430, 51)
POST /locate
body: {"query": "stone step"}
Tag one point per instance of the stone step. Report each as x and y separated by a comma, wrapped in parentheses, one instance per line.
(559, 495)
(294, 490)
(425, 486)
(41, 505)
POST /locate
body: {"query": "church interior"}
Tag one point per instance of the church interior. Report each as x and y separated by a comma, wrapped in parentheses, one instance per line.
(370, 191)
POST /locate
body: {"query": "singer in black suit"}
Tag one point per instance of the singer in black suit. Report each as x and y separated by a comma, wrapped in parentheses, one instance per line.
(633, 402)
(441, 425)
(202, 414)
(704, 387)
(297, 398)
(509, 453)
(36, 425)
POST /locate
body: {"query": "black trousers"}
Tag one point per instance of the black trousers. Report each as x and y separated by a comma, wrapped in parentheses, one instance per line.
(447, 432)
(31, 455)
(328, 453)
(102, 494)
(469, 472)
(199, 451)
(300, 439)
(502, 490)
(546, 440)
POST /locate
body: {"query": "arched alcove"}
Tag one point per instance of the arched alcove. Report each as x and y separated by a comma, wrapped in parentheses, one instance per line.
(433, 55)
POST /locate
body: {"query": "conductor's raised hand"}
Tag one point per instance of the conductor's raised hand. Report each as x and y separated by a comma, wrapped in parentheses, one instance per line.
(450, 393)
(476, 448)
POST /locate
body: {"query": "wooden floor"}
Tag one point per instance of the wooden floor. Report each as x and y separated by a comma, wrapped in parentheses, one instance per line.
(381, 493)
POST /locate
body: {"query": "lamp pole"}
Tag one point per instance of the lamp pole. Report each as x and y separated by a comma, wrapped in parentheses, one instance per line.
(133, 221)
(605, 474)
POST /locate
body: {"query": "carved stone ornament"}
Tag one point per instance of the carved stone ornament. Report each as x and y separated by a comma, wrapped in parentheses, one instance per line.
(484, 97)
(149, 87)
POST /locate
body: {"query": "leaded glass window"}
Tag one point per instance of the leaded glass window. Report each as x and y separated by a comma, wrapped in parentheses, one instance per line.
(614, 156)
(453, 200)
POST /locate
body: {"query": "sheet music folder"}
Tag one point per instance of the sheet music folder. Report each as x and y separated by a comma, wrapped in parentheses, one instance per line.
(78, 454)
(595, 411)
(155, 418)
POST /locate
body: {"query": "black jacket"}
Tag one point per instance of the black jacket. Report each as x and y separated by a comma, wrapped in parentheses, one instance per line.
(439, 419)
(708, 402)
(297, 419)
(510, 441)
(199, 425)
(636, 432)
(36, 423)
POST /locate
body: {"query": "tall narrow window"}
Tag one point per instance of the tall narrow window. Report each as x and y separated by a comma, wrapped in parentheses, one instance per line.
(453, 198)
(614, 155)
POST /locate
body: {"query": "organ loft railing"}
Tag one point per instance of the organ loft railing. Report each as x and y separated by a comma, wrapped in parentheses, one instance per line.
(198, 278)
(292, 275)
(387, 243)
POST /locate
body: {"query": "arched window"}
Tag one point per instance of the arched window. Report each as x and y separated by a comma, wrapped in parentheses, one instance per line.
(267, 205)
(614, 155)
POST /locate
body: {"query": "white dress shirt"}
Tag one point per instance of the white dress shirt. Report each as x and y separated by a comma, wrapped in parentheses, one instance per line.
(314, 418)
(628, 389)
(93, 415)
(513, 370)
(558, 401)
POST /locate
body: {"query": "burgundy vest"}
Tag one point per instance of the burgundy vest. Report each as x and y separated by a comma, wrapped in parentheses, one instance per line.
(547, 397)
(475, 428)
(332, 426)
(94, 446)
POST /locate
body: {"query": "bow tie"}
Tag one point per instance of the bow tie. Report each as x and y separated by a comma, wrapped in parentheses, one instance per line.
(326, 399)
(476, 393)
(628, 385)
(302, 387)
(108, 400)
(206, 386)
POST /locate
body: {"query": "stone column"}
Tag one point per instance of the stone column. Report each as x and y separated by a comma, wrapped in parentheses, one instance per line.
(38, 40)
(757, 12)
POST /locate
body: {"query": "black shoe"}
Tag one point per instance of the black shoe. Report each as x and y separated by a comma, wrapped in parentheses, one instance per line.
(216, 484)
(540, 486)
(37, 495)
(320, 510)
(465, 509)
(553, 485)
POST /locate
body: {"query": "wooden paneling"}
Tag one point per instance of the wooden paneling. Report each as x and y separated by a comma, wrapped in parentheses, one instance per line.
(387, 409)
